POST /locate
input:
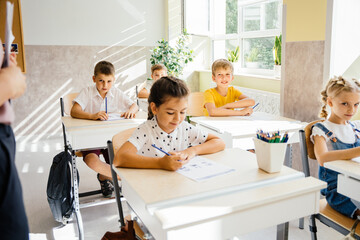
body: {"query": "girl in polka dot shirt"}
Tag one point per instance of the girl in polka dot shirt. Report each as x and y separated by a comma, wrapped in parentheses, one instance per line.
(166, 128)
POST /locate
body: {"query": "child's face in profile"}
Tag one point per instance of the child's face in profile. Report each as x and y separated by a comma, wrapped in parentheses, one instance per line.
(103, 83)
(343, 107)
(171, 113)
(223, 77)
(157, 74)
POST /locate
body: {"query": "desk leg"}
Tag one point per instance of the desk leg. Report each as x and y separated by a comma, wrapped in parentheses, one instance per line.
(76, 196)
(282, 231)
(288, 156)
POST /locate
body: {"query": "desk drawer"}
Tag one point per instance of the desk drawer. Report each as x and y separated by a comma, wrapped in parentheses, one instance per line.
(349, 186)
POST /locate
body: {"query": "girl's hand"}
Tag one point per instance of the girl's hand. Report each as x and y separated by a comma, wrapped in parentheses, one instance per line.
(100, 115)
(171, 163)
(186, 154)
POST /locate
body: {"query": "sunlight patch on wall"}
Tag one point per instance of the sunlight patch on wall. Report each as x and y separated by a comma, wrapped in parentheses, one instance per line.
(135, 69)
(43, 106)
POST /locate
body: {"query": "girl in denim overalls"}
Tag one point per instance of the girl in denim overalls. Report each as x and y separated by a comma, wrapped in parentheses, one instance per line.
(338, 138)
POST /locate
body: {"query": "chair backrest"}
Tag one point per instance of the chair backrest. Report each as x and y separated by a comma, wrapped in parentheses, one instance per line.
(307, 147)
(195, 104)
(67, 102)
(113, 146)
(309, 144)
(119, 139)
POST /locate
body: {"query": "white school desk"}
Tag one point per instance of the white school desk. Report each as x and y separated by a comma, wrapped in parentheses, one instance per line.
(234, 129)
(89, 134)
(84, 134)
(349, 177)
(174, 207)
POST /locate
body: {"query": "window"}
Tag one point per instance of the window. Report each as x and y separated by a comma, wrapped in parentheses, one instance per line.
(250, 24)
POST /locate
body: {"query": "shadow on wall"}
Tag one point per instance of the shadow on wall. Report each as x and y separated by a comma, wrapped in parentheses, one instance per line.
(54, 71)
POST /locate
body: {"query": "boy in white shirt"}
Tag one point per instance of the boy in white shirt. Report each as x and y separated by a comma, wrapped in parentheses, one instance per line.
(95, 103)
(157, 71)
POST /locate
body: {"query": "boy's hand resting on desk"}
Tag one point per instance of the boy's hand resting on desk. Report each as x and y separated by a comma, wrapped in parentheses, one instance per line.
(172, 162)
(129, 114)
(100, 116)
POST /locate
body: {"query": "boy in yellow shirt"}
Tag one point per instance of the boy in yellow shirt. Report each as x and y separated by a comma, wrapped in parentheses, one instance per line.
(222, 100)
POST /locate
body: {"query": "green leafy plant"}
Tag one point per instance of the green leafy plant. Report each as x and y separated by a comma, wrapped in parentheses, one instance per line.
(253, 56)
(174, 58)
(233, 56)
(277, 50)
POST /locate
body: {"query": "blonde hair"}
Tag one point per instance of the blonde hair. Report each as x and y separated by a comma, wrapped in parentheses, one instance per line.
(221, 63)
(334, 87)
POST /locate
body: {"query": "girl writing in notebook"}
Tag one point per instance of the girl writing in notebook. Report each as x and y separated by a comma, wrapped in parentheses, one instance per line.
(165, 140)
(338, 138)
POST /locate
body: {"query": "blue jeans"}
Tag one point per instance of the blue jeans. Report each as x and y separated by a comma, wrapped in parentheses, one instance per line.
(336, 200)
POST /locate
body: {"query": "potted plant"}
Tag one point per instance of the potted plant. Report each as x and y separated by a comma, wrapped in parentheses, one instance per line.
(252, 58)
(174, 58)
(277, 56)
(233, 56)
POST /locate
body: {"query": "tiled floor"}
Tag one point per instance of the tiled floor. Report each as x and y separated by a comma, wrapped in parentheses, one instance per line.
(33, 161)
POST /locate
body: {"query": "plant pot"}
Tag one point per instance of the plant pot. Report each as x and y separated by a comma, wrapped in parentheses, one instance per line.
(277, 71)
(237, 67)
(252, 64)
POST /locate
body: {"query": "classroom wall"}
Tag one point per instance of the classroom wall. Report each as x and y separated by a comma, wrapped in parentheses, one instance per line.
(345, 38)
(63, 42)
(303, 61)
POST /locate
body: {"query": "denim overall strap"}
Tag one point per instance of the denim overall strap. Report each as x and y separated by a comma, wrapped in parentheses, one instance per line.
(336, 200)
(356, 131)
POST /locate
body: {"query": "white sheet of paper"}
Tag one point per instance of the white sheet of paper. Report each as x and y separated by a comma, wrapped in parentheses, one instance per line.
(200, 169)
(114, 116)
(9, 37)
(357, 159)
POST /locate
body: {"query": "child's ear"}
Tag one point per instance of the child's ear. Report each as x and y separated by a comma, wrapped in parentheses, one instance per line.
(213, 77)
(153, 108)
(93, 78)
(329, 101)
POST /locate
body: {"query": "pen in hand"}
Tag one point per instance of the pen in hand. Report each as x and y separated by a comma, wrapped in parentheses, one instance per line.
(106, 105)
(255, 106)
(153, 145)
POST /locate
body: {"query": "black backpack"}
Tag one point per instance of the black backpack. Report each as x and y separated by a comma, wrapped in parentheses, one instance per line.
(59, 187)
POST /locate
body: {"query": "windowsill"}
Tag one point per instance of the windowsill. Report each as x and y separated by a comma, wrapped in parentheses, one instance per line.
(243, 74)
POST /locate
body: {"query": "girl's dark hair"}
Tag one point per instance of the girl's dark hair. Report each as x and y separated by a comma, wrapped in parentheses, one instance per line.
(164, 88)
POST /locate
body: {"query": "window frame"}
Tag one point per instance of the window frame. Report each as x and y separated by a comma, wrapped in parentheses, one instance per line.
(241, 35)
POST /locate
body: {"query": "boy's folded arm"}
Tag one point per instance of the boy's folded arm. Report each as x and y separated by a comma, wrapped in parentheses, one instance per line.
(78, 112)
(222, 111)
(242, 103)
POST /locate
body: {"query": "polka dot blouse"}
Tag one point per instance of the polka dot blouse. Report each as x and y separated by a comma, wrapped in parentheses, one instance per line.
(148, 133)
